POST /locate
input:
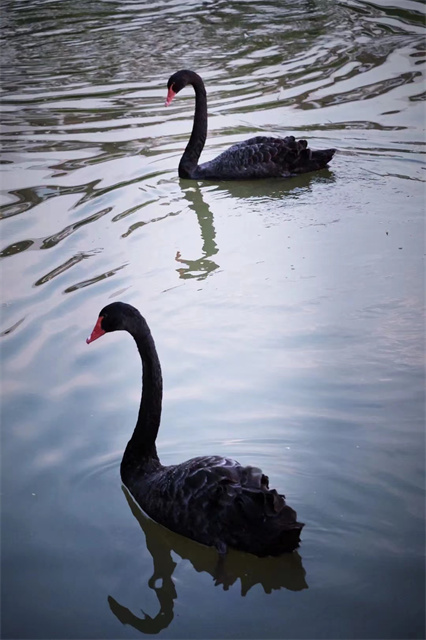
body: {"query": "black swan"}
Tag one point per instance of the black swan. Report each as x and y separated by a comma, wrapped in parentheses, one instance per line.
(259, 157)
(210, 499)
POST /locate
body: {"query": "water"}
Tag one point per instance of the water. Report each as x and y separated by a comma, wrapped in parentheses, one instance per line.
(288, 315)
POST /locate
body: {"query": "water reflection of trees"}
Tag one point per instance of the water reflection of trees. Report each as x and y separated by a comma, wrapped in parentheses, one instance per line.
(285, 571)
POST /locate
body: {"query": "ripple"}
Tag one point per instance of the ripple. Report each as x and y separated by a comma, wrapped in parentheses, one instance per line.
(53, 240)
(63, 267)
(94, 279)
(96, 467)
(296, 342)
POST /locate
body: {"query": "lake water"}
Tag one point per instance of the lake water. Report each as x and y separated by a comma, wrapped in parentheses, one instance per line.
(288, 315)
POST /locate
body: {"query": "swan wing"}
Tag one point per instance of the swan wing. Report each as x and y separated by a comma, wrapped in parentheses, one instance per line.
(263, 157)
(219, 502)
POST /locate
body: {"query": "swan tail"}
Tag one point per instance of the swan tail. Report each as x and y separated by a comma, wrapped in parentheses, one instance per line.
(276, 529)
(309, 160)
(323, 157)
(283, 528)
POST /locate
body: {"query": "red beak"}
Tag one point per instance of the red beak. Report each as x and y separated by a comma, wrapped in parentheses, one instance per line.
(97, 331)
(170, 95)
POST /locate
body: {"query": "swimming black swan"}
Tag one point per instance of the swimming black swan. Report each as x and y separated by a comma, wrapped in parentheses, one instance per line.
(259, 157)
(210, 499)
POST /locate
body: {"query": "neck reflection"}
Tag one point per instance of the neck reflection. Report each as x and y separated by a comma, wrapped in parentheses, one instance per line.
(201, 267)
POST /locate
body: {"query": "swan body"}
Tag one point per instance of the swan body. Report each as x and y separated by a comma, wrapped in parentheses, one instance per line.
(210, 499)
(258, 157)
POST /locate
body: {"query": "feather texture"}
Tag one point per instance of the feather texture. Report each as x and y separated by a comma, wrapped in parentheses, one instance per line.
(218, 502)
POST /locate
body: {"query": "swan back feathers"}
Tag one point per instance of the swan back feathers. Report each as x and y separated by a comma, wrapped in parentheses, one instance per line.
(219, 502)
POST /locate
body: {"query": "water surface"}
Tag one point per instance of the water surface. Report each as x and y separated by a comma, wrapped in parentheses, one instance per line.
(288, 315)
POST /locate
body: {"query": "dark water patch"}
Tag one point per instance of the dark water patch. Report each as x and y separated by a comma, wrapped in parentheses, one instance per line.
(33, 196)
(368, 91)
(65, 266)
(95, 279)
(142, 223)
(53, 240)
(18, 247)
(12, 327)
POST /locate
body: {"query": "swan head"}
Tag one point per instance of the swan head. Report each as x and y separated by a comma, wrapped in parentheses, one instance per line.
(178, 81)
(115, 317)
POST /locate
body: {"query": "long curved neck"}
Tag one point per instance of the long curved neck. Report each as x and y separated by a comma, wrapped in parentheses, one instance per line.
(189, 160)
(142, 442)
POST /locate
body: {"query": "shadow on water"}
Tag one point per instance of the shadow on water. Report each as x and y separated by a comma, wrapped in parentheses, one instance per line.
(285, 571)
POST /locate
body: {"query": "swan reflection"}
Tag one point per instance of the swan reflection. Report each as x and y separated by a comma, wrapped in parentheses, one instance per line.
(273, 188)
(257, 190)
(202, 266)
(285, 571)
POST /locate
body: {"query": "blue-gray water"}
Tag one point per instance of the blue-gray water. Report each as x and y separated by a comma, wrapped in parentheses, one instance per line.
(288, 315)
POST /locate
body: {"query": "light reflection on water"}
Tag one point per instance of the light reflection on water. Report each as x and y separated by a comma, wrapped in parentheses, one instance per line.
(287, 315)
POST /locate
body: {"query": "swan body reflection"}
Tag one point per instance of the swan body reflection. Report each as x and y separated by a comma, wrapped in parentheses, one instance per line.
(272, 574)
